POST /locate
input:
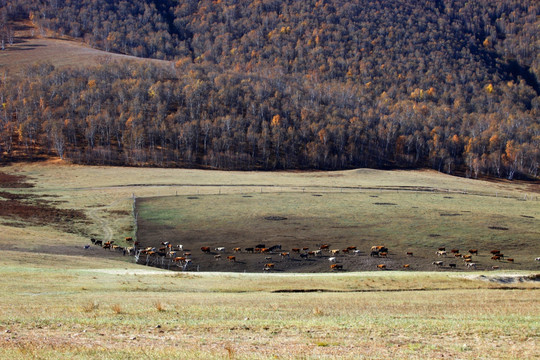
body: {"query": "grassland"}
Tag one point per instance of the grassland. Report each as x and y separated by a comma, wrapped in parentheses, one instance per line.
(32, 46)
(61, 301)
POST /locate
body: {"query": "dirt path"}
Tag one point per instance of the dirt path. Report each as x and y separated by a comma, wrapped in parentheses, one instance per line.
(103, 223)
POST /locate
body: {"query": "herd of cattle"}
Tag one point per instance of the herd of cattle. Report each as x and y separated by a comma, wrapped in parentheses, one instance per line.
(176, 255)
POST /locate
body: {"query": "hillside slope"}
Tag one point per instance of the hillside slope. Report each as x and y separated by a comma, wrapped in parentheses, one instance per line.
(451, 85)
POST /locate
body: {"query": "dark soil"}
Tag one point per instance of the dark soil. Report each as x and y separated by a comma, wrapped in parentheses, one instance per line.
(13, 181)
(30, 209)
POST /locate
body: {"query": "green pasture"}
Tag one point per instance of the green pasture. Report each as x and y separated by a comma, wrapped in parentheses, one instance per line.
(416, 221)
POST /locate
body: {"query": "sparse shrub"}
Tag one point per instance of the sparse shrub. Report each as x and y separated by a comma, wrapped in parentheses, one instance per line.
(159, 306)
(90, 306)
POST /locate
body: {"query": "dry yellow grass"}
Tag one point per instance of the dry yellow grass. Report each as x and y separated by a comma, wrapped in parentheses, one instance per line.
(32, 47)
(75, 307)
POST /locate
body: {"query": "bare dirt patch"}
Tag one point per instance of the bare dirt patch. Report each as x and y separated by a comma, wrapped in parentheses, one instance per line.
(13, 181)
(31, 209)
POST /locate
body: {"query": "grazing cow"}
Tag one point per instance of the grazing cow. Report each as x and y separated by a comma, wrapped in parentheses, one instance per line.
(332, 259)
(501, 255)
(442, 249)
(473, 251)
(220, 249)
(454, 251)
(459, 255)
(336, 267)
(351, 248)
(231, 258)
(441, 253)
(217, 257)
(205, 249)
(249, 250)
(265, 250)
(438, 263)
(296, 250)
(107, 245)
(510, 260)
(92, 240)
(374, 253)
(467, 260)
(285, 254)
(409, 253)
(494, 267)
(383, 254)
(494, 252)
(317, 252)
(334, 251)
(406, 266)
(268, 266)
(275, 247)
(98, 242)
(495, 257)
(467, 256)
(345, 251)
(452, 265)
(324, 247)
(471, 265)
(237, 250)
(311, 253)
(180, 247)
(305, 248)
(381, 266)
(180, 258)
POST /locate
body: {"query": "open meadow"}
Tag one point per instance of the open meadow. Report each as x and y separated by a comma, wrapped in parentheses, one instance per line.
(60, 300)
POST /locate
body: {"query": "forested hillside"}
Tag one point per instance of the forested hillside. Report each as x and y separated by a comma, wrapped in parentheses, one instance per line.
(453, 85)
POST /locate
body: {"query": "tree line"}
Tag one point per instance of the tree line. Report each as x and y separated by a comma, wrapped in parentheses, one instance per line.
(135, 114)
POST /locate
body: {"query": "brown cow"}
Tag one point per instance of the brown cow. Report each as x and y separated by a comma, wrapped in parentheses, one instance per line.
(495, 257)
(296, 250)
(305, 248)
(237, 249)
(494, 252)
(345, 251)
(510, 260)
(383, 254)
(442, 249)
(473, 251)
(324, 247)
(454, 251)
(409, 253)
(467, 256)
(381, 266)
(268, 266)
(205, 249)
(217, 257)
(336, 267)
(350, 248)
(129, 238)
(231, 258)
(406, 266)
